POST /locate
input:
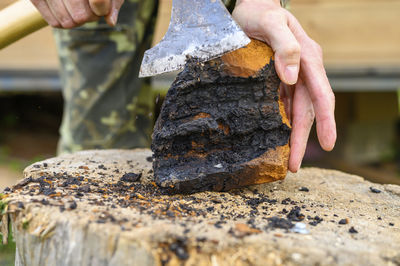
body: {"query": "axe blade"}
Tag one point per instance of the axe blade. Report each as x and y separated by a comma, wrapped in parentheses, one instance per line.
(199, 29)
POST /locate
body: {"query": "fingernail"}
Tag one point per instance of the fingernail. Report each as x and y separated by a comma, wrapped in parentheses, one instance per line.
(114, 17)
(291, 73)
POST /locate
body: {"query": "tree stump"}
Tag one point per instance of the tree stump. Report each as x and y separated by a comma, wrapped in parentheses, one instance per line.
(103, 208)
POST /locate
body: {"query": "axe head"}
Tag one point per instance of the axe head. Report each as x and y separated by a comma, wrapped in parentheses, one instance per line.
(198, 29)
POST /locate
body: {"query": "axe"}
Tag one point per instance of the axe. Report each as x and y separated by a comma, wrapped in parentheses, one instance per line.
(198, 29)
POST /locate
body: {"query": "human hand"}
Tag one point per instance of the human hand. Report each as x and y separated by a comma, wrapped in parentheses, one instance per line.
(72, 13)
(298, 62)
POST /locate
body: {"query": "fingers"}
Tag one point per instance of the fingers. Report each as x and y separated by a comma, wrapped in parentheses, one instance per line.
(112, 17)
(72, 13)
(302, 121)
(59, 11)
(100, 7)
(45, 11)
(79, 11)
(317, 83)
(266, 21)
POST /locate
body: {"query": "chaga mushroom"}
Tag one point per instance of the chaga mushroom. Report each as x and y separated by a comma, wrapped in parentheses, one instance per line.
(222, 125)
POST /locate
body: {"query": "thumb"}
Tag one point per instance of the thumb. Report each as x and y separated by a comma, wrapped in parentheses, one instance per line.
(112, 17)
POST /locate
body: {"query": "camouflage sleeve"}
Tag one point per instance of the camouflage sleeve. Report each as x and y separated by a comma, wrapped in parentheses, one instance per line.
(106, 105)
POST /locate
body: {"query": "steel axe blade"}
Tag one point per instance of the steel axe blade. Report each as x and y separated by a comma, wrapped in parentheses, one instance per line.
(201, 29)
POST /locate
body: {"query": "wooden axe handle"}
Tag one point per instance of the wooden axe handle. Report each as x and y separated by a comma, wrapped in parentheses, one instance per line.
(18, 20)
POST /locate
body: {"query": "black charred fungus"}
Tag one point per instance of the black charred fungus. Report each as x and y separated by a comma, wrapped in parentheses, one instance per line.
(211, 124)
(304, 189)
(344, 221)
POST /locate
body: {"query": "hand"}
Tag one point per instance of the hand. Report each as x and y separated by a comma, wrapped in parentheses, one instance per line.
(72, 13)
(298, 62)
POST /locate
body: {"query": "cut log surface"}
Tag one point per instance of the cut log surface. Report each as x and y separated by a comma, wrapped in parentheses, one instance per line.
(222, 125)
(101, 208)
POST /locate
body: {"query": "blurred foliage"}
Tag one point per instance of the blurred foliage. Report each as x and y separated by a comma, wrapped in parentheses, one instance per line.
(7, 252)
(16, 164)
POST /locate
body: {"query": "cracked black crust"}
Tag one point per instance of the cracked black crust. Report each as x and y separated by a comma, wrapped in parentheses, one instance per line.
(239, 121)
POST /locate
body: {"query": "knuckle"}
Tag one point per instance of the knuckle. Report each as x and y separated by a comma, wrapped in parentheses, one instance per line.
(68, 24)
(293, 49)
(290, 52)
(54, 24)
(331, 97)
(307, 119)
(273, 16)
(81, 17)
(311, 115)
(315, 47)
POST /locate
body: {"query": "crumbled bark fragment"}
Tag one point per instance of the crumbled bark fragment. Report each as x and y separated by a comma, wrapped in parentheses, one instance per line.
(352, 230)
(84, 189)
(374, 190)
(131, 177)
(295, 215)
(276, 222)
(101, 166)
(73, 205)
(316, 221)
(20, 205)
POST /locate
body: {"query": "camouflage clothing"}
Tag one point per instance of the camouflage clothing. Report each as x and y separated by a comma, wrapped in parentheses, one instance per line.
(106, 104)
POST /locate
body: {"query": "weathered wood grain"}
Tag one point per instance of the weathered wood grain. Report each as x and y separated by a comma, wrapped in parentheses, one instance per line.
(130, 223)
